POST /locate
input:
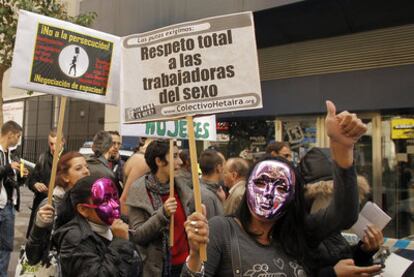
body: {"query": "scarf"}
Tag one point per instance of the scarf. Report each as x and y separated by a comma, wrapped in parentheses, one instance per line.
(156, 189)
(58, 196)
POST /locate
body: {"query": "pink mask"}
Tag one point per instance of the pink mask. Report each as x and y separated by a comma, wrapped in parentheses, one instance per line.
(270, 188)
(105, 200)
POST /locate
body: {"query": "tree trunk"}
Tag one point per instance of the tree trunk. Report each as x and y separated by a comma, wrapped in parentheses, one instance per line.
(2, 70)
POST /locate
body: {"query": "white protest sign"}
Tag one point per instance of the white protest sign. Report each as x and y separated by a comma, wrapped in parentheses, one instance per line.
(204, 128)
(200, 67)
(58, 57)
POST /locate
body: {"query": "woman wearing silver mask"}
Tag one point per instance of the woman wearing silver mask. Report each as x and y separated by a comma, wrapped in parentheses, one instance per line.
(270, 235)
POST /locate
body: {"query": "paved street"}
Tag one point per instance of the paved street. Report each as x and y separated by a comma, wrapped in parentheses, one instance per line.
(22, 221)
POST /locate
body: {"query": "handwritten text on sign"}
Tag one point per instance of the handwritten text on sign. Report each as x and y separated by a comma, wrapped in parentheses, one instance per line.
(204, 129)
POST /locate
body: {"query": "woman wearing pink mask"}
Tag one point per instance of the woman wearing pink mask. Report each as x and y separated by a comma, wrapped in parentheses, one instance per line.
(71, 167)
(95, 242)
(270, 234)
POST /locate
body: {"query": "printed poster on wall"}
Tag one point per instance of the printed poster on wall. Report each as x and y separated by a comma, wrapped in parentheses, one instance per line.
(204, 129)
(402, 128)
(14, 111)
(62, 58)
(206, 66)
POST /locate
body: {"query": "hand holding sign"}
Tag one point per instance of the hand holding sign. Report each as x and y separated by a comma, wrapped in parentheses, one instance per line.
(15, 165)
(196, 227)
(373, 239)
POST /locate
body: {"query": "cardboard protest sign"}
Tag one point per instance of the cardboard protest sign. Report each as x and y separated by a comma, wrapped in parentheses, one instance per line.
(204, 128)
(58, 57)
(200, 67)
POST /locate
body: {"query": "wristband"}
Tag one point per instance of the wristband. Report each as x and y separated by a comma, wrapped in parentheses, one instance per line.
(192, 273)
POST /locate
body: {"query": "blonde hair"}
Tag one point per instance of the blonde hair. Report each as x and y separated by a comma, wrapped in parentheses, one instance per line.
(320, 193)
(363, 187)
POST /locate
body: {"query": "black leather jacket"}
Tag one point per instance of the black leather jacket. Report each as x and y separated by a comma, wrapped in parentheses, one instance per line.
(84, 253)
(335, 248)
(9, 177)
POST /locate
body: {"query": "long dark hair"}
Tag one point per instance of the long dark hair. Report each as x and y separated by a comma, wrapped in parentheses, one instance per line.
(80, 193)
(289, 231)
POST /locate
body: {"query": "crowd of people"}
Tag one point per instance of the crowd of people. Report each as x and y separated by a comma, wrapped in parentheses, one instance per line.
(270, 218)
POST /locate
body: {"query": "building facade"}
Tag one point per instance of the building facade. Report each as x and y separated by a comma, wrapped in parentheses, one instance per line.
(359, 54)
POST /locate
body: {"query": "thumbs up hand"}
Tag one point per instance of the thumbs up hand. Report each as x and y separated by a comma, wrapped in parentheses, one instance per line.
(344, 128)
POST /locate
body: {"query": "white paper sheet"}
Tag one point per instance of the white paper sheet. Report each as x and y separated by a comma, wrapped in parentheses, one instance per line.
(370, 214)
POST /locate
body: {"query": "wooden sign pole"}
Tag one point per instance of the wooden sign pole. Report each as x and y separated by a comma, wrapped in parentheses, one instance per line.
(58, 148)
(171, 163)
(194, 173)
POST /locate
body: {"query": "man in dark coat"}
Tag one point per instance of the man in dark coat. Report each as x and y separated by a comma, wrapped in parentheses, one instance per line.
(115, 161)
(99, 163)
